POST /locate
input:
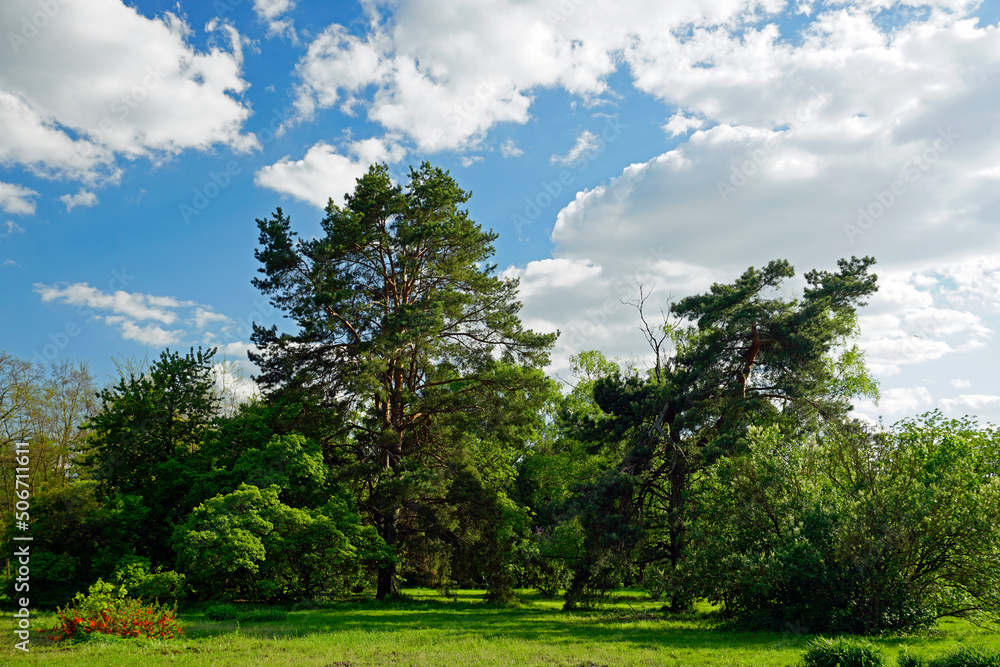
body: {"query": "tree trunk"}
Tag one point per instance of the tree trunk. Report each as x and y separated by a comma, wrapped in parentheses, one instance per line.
(679, 599)
(388, 584)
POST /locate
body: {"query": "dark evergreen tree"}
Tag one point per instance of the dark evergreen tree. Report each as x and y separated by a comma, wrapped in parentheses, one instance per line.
(749, 357)
(403, 330)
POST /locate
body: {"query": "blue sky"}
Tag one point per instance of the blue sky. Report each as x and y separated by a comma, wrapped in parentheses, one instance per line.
(607, 143)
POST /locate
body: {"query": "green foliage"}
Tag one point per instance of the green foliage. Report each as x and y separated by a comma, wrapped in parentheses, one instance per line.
(408, 337)
(106, 609)
(746, 358)
(222, 612)
(549, 567)
(963, 657)
(860, 532)
(292, 463)
(842, 652)
(144, 435)
(248, 544)
(133, 574)
(149, 419)
(966, 657)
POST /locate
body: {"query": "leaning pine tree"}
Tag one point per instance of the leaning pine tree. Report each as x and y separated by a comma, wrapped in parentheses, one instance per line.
(748, 357)
(404, 331)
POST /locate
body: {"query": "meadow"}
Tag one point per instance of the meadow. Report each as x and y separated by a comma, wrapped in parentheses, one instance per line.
(428, 628)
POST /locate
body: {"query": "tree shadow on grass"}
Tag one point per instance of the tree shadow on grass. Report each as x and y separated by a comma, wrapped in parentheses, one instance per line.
(466, 616)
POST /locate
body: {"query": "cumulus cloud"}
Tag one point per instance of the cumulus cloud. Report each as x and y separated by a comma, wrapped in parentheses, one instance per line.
(905, 400)
(149, 334)
(82, 198)
(443, 75)
(324, 173)
(681, 124)
(203, 317)
(101, 81)
(17, 199)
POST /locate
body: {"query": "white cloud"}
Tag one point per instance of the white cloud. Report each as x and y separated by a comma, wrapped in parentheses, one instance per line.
(324, 173)
(139, 316)
(960, 384)
(509, 149)
(82, 198)
(232, 383)
(586, 145)
(237, 349)
(469, 160)
(203, 317)
(905, 400)
(270, 12)
(17, 199)
(444, 74)
(99, 80)
(149, 334)
(591, 304)
(681, 124)
(11, 227)
(971, 402)
(135, 306)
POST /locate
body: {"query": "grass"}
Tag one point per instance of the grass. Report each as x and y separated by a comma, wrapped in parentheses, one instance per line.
(428, 629)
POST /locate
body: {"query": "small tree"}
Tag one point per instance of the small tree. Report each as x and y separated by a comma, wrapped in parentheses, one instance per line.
(144, 435)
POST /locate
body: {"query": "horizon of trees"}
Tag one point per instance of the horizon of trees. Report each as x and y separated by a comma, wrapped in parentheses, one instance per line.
(407, 435)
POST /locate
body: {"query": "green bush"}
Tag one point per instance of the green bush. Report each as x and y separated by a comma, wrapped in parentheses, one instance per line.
(106, 610)
(264, 615)
(858, 532)
(966, 657)
(249, 545)
(842, 652)
(905, 659)
(133, 573)
(229, 612)
(222, 612)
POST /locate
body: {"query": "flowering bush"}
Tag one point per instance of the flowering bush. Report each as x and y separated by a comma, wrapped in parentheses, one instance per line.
(106, 609)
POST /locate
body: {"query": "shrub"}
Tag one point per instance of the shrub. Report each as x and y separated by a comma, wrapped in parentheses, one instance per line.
(842, 652)
(107, 610)
(859, 531)
(228, 612)
(222, 612)
(265, 615)
(133, 573)
(907, 660)
(967, 657)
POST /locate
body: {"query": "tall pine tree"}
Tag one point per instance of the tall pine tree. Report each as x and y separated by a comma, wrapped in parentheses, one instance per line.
(404, 330)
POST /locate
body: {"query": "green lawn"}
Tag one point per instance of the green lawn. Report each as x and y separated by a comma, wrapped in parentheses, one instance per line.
(432, 630)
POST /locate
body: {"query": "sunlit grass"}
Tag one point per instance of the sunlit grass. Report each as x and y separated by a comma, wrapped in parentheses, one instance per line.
(428, 629)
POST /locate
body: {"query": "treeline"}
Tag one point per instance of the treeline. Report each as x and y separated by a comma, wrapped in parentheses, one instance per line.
(407, 435)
